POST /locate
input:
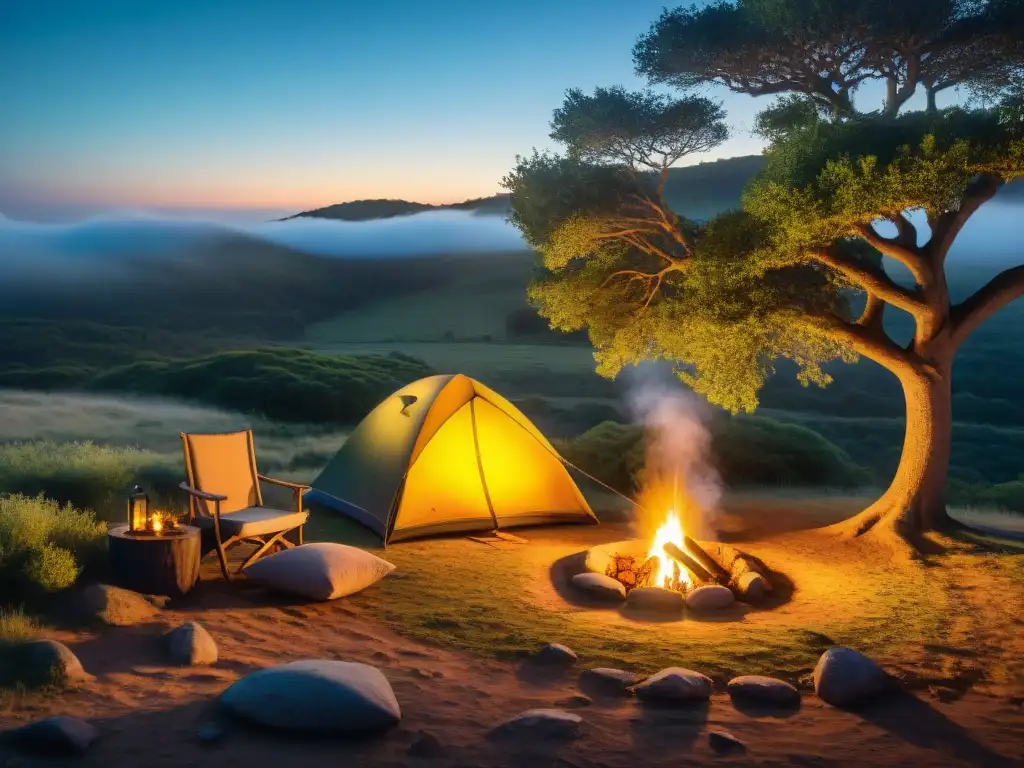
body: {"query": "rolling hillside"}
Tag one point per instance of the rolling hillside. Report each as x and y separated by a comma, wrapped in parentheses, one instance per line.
(698, 191)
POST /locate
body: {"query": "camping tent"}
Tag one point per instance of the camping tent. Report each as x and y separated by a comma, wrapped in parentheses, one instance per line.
(446, 454)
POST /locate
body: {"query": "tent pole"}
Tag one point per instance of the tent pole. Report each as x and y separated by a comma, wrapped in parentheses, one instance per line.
(480, 462)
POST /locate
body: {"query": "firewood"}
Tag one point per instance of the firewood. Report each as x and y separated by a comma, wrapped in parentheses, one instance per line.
(710, 564)
(684, 559)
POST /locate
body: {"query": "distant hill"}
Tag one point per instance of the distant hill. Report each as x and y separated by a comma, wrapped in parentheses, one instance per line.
(696, 191)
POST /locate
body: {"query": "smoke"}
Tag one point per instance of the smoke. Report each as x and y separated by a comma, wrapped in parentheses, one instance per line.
(678, 471)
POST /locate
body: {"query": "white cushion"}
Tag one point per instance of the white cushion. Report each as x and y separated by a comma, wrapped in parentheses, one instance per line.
(322, 571)
(254, 521)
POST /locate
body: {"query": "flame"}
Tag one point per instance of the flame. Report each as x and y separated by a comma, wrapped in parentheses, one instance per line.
(671, 531)
(158, 524)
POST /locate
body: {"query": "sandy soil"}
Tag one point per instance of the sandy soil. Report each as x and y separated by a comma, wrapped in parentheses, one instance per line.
(149, 712)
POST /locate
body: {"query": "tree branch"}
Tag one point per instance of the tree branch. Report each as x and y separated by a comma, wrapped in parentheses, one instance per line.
(877, 284)
(879, 348)
(946, 227)
(873, 315)
(894, 249)
(966, 316)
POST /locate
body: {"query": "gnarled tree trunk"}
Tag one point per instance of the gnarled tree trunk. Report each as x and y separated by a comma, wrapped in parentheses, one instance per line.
(916, 499)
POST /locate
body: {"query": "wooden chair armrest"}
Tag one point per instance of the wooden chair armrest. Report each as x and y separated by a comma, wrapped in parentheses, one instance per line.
(284, 483)
(202, 494)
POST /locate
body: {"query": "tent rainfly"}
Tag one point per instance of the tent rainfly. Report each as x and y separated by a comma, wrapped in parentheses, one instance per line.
(444, 455)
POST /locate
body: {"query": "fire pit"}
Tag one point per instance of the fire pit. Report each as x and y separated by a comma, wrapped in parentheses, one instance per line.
(672, 561)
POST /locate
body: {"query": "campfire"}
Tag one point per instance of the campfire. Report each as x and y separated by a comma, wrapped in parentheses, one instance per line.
(672, 561)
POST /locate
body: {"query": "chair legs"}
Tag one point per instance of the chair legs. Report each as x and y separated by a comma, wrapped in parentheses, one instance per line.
(265, 545)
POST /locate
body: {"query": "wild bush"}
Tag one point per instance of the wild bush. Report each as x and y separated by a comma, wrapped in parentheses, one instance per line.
(44, 546)
(85, 475)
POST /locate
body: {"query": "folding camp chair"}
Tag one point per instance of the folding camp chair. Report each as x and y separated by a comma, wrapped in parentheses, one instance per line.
(225, 499)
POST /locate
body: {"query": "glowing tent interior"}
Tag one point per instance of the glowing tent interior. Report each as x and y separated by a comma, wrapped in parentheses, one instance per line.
(447, 454)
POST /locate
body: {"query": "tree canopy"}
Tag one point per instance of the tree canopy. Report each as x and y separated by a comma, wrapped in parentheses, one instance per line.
(799, 273)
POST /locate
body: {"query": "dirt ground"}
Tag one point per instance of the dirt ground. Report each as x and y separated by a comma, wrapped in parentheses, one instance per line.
(964, 706)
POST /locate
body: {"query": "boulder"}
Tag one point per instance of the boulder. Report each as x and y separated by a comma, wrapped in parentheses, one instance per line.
(556, 655)
(763, 690)
(315, 696)
(190, 645)
(115, 606)
(426, 745)
(674, 685)
(711, 597)
(723, 742)
(539, 723)
(609, 681)
(61, 735)
(599, 586)
(843, 677)
(47, 662)
(752, 587)
(655, 599)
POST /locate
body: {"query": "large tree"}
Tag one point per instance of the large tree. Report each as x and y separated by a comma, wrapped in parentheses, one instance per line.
(800, 272)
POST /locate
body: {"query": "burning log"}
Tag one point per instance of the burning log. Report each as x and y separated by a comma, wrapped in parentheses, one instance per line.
(688, 562)
(711, 565)
(631, 572)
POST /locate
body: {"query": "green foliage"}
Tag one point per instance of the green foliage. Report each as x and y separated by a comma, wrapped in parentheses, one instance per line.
(639, 129)
(826, 180)
(84, 475)
(52, 568)
(747, 451)
(44, 545)
(16, 626)
(282, 384)
(825, 49)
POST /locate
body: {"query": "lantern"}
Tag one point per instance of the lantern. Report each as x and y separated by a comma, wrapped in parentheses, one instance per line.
(138, 510)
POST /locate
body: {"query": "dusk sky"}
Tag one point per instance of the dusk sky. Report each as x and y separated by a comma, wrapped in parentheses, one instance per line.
(270, 104)
(282, 105)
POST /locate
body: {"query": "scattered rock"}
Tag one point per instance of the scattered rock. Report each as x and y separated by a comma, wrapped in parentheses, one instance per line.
(609, 681)
(115, 606)
(575, 701)
(600, 586)
(556, 654)
(711, 597)
(47, 662)
(674, 684)
(765, 690)
(315, 696)
(655, 599)
(843, 677)
(543, 723)
(191, 645)
(723, 741)
(211, 733)
(61, 735)
(599, 559)
(752, 587)
(426, 745)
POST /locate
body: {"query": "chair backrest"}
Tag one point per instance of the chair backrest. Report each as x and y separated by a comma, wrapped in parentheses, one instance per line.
(225, 464)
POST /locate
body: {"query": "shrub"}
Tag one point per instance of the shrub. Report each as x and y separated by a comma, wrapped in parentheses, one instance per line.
(283, 384)
(52, 568)
(44, 545)
(16, 626)
(85, 475)
(747, 451)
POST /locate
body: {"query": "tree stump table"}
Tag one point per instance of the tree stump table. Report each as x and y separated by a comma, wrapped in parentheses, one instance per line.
(167, 564)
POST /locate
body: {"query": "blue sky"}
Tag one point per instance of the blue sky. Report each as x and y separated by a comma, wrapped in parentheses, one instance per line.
(270, 104)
